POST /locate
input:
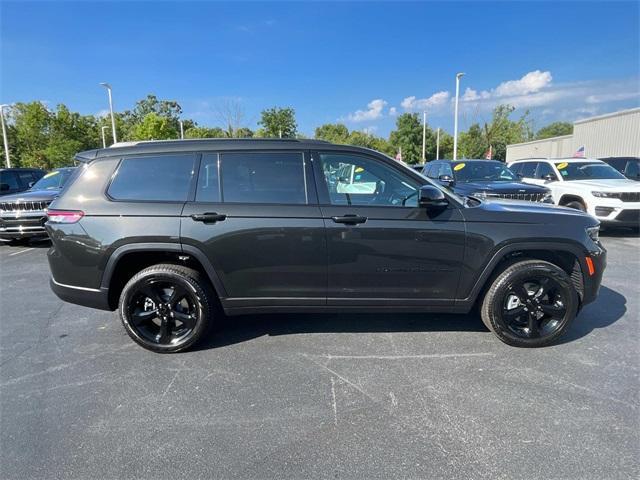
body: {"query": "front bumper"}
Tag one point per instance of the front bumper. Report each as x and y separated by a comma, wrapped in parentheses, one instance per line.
(22, 224)
(614, 212)
(592, 281)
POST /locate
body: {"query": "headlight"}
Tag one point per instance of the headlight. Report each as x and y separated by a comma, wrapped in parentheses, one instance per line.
(605, 194)
(594, 233)
(548, 198)
(482, 194)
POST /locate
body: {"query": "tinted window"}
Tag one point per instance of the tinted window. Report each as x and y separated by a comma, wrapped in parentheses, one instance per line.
(632, 170)
(26, 178)
(478, 171)
(545, 169)
(617, 163)
(587, 171)
(10, 179)
(208, 179)
(53, 180)
(516, 168)
(433, 171)
(163, 178)
(529, 169)
(356, 180)
(266, 177)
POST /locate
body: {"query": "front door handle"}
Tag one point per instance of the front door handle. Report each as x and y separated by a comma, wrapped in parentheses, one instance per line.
(209, 217)
(349, 219)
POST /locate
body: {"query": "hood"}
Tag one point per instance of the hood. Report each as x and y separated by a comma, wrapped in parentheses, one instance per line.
(32, 196)
(467, 188)
(614, 185)
(533, 212)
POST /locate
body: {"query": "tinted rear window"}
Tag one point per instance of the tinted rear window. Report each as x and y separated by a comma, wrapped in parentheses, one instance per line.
(265, 177)
(162, 178)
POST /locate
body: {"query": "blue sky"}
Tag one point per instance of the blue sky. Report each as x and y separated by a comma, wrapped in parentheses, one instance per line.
(359, 63)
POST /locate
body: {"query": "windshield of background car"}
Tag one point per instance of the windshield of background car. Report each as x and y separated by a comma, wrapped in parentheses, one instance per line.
(587, 171)
(54, 180)
(482, 172)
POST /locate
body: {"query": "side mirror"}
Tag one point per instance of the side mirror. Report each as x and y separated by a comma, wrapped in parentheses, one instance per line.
(430, 197)
(549, 178)
(519, 175)
(446, 180)
(4, 187)
(31, 184)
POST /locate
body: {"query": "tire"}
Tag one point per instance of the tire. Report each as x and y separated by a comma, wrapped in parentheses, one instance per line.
(530, 304)
(576, 205)
(167, 308)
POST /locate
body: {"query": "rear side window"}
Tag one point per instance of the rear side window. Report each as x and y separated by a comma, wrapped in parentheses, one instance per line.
(265, 177)
(160, 178)
(209, 179)
(529, 169)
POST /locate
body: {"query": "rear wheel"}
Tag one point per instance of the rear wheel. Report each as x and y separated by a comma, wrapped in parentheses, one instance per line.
(530, 304)
(166, 308)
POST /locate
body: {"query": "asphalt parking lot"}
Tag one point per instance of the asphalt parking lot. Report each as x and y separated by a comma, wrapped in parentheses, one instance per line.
(322, 396)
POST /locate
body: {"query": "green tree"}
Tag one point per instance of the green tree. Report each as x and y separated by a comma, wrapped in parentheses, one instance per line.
(472, 143)
(333, 132)
(155, 127)
(555, 129)
(408, 137)
(278, 122)
(204, 132)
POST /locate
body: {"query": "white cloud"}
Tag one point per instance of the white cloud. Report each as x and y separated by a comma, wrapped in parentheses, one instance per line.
(611, 97)
(373, 111)
(436, 100)
(370, 130)
(393, 111)
(530, 83)
(102, 113)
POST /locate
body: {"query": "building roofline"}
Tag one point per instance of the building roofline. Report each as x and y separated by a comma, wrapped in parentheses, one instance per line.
(541, 140)
(608, 115)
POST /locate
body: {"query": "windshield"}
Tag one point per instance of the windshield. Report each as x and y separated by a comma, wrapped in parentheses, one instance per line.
(482, 172)
(587, 171)
(54, 180)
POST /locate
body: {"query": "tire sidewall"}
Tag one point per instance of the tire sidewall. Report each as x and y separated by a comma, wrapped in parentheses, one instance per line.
(504, 282)
(202, 307)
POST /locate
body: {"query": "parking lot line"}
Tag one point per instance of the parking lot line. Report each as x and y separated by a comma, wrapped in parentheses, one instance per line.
(20, 251)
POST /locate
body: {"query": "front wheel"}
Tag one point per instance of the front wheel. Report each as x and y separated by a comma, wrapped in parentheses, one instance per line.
(530, 304)
(166, 308)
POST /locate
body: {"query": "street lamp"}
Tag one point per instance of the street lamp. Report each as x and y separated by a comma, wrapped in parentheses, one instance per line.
(4, 135)
(104, 141)
(181, 130)
(113, 119)
(455, 119)
(424, 136)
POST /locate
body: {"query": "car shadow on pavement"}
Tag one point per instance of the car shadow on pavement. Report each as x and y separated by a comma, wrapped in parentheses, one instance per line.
(609, 307)
(238, 329)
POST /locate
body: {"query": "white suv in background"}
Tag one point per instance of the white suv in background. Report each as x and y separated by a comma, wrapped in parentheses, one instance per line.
(585, 184)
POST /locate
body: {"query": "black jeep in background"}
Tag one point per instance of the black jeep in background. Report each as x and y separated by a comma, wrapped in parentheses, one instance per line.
(484, 179)
(167, 231)
(628, 166)
(14, 180)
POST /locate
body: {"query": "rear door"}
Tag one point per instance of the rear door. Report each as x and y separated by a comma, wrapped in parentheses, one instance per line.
(383, 250)
(255, 215)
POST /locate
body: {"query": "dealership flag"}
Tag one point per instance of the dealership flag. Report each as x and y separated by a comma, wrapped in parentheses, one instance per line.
(399, 155)
(579, 153)
(488, 154)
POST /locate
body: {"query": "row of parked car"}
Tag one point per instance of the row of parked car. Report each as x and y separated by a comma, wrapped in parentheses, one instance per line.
(591, 185)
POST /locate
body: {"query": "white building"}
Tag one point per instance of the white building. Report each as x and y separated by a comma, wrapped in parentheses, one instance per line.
(612, 135)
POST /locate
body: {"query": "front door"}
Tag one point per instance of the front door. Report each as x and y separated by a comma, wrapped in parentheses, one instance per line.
(382, 248)
(256, 217)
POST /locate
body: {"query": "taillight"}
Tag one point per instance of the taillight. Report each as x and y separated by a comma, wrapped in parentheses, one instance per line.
(64, 216)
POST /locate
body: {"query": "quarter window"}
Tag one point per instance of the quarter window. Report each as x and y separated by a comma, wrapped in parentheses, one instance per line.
(356, 180)
(161, 178)
(265, 177)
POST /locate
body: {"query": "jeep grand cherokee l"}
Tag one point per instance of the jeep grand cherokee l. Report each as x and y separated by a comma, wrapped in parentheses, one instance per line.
(166, 231)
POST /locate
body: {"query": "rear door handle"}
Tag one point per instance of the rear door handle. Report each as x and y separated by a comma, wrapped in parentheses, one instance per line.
(349, 219)
(208, 217)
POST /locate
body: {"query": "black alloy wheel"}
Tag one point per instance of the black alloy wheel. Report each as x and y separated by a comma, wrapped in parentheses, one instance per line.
(166, 308)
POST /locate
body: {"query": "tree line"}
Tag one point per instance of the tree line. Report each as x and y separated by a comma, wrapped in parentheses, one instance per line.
(48, 138)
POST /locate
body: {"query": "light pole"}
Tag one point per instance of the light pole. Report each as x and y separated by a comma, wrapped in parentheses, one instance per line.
(4, 136)
(455, 118)
(438, 144)
(181, 130)
(113, 119)
(424, 136)
(104, 140)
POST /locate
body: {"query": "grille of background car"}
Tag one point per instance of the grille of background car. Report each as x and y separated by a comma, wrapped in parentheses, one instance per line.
(23, 206)
(531, 197)
(630, 196)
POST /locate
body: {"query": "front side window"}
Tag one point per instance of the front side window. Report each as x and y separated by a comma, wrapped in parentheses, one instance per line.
(264, 177)
(160, 178)
(544, 170)
(9, 181)
(357, 180)
(529, 169)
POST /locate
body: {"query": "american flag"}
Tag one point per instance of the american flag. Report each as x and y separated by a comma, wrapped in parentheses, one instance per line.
(399, 155)
(488, 154)
(579, 153)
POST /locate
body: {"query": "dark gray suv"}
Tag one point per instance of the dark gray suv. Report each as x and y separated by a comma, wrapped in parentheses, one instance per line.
(169, 231)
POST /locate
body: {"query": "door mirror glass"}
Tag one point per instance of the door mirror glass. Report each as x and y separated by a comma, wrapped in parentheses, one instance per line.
(430, 197)
(550, 177)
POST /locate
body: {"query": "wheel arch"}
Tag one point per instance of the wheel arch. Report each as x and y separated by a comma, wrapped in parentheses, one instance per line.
(567, 255)
(129, 259)
(569, 197)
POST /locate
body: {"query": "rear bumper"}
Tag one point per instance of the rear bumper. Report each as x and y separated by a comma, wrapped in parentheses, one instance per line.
(87, 297)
